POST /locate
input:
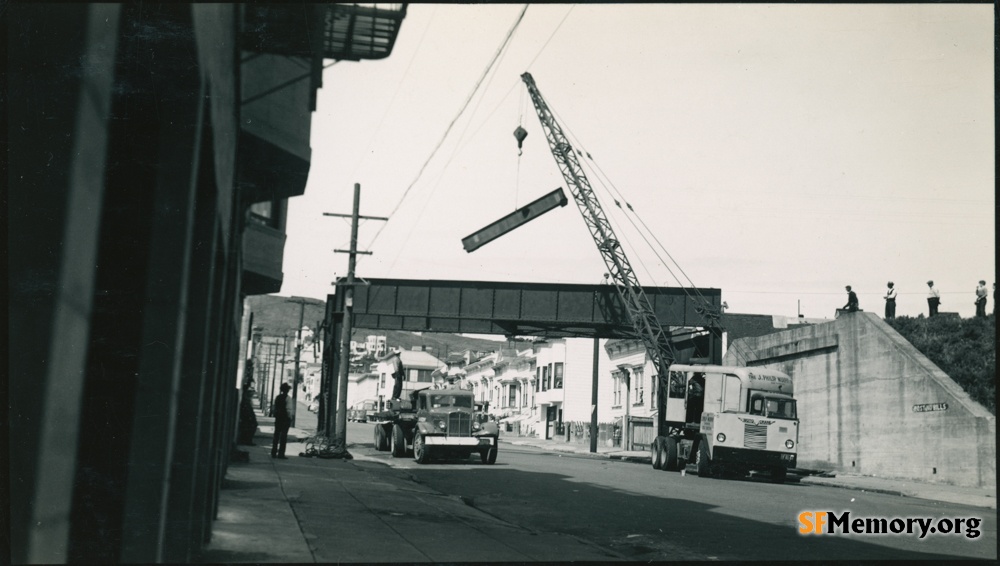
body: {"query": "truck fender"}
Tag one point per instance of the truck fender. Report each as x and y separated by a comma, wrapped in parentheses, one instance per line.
(489, 429)
(425, 428)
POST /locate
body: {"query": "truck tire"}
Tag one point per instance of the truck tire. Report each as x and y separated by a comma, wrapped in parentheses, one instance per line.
(398, 442)
(421, 452)
(670, 462)
(778, 475)
(705, 467)
(656, 452)
(381, 442)
(489, 456)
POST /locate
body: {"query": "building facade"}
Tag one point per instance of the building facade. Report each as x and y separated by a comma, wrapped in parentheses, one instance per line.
(152, 149)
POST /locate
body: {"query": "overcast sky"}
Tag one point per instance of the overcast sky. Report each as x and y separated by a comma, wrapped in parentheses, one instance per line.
(777, 153)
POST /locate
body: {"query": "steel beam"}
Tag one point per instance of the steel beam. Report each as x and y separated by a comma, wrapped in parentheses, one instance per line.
(514, 309)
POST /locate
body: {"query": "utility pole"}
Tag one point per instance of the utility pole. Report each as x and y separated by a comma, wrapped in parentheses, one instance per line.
(339, 443)
(298, 352)
(274, 369)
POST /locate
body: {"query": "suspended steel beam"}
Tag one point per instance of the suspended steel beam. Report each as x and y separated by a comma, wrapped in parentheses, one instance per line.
(515, 219)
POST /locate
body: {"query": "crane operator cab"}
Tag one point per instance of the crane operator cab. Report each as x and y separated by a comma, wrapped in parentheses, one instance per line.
(729, 420)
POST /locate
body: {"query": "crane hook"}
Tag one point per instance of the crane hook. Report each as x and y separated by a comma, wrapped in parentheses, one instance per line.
(520, 133)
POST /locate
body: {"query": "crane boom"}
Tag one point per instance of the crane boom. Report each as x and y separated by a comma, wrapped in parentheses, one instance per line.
(640, 312)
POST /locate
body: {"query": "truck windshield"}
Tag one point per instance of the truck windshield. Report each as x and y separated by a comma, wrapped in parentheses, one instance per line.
(777, 407)
(439, 401)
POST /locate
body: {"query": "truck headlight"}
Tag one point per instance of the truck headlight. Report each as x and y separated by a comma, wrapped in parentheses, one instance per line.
(720, 437)
(441, 425)
(789, 444)
(476, 425)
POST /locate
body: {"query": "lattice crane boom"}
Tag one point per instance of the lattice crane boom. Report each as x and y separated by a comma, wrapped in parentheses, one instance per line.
(640, 311)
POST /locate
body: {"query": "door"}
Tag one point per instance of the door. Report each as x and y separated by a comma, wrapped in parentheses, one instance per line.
(551, 417)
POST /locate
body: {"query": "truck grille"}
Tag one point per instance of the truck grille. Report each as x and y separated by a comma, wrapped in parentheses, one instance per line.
(755, 436)
(459, 424)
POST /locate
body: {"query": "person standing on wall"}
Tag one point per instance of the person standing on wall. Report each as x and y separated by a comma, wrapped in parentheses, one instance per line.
(890, 302)
(933, 299)
(282, 422)
(852, 300)
(981, 299)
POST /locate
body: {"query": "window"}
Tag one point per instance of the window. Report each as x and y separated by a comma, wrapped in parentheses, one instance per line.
(558, 376)
(779, 407)
(265, 213)
(616, 379)
(512, 396)
(654, 385)
(419, 375)
(678, 381)
(545, 378)
(444, 401)
(381, 382)
(639, 385)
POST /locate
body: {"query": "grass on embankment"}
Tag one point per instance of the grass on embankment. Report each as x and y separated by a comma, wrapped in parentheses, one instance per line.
(964, 348)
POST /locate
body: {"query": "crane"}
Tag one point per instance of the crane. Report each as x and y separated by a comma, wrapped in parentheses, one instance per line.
(637, 306)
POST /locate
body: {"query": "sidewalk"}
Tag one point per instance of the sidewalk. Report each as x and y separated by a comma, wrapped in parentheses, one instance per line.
(334, 511)
(977, 497)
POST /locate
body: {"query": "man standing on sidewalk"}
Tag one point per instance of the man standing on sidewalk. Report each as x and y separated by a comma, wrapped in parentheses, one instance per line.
(282, 421)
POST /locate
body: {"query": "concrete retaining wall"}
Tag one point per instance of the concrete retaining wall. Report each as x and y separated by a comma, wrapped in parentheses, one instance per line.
(871, 404)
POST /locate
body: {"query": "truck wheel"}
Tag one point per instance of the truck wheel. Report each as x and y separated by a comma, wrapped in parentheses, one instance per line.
(421, 453)
(381, 442)
(704, 460)
(670, 463)
(398, 442)
(778, 475)
(656, 452)
(489, 456)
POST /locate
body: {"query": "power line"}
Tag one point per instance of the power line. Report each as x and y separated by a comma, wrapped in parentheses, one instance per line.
(465, 105)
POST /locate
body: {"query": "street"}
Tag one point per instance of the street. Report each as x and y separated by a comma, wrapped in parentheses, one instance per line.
(638, 513)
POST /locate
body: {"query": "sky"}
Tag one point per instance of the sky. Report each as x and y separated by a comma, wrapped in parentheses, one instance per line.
(775, 152)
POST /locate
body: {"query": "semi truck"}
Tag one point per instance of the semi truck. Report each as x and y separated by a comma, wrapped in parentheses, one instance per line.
(436, 423)
(728, 420)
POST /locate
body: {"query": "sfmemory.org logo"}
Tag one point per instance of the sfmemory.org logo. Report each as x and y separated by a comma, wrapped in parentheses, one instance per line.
(830, 523)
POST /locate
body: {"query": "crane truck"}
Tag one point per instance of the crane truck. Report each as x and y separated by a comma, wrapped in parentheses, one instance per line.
(723, 419)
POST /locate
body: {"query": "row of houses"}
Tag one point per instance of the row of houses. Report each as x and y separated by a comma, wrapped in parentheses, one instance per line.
(546, 388)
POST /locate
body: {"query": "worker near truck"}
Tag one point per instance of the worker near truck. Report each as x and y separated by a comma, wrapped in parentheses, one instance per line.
(396, 363)
(282, 422)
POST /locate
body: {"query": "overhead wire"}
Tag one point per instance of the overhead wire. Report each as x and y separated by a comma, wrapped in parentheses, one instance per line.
(399, 85)
(451, 125)
(515, 83)
(741, 351)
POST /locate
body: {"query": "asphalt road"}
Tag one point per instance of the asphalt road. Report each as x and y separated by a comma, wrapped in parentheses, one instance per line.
(639, 513)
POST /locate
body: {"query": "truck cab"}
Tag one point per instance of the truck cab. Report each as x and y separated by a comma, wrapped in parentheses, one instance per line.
(729, 420)
(437, 422)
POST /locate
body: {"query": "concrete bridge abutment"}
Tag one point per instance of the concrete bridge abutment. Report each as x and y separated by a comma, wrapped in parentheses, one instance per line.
(871, 404)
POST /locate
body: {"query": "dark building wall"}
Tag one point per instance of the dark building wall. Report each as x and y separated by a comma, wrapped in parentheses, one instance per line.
(60, 82)
(129, 185)
(126, 223)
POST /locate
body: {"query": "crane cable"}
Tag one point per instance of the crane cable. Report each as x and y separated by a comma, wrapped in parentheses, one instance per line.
(742, 351)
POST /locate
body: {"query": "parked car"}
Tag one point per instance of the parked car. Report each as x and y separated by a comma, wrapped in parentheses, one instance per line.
(362, 410)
